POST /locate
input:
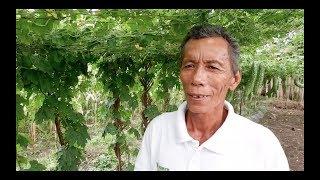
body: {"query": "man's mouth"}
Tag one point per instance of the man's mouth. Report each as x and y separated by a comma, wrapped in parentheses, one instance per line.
(198, 96)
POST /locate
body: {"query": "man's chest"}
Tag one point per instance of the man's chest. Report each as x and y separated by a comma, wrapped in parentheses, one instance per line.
(187, 158)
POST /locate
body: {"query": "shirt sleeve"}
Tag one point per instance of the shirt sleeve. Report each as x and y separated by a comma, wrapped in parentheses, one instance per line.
(143, 161)
(275, 159)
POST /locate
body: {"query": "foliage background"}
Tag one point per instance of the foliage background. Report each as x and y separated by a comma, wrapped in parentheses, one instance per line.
(89, 81)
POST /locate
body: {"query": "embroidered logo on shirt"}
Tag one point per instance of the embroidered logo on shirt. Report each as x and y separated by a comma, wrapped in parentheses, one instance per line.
(160, 168)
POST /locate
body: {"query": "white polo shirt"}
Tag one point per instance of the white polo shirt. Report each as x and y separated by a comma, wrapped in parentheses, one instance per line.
(239, 144)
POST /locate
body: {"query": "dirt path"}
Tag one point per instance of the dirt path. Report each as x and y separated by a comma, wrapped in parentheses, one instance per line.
(286, 120)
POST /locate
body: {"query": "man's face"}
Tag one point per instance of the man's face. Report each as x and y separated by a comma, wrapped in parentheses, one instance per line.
(206, 73)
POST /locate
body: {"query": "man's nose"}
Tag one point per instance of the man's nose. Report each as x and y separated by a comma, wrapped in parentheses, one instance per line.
(198, 77)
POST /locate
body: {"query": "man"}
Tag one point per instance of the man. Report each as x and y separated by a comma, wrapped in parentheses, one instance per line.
(205, 133)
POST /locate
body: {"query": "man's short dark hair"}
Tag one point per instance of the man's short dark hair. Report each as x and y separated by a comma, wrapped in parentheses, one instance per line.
(208, 30)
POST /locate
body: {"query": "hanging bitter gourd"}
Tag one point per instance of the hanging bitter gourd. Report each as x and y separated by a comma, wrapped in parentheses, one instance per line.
(250, 85)
(297, 83)
(259, 80)
(275, 87)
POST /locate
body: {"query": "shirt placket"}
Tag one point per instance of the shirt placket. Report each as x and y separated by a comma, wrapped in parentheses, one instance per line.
(194, 163)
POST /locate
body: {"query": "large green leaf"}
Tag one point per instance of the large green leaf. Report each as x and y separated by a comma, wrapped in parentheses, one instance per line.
(130, 167)
(151, 112)
(22, 160)
(30, 76)
(135, 132)
(36, 166)
(47, 111)
(77, 135)
(121, 139)
(133, 103)
(67, 112)
(69, 158)
(22, 139)
(135, 152)
(110, 129)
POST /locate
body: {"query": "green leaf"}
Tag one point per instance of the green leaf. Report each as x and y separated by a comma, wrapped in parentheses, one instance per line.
(172, 108)
(133, 103)
(42, 63)
(77, 135)
(125, 115)
(135, 132)
(19, 149)
(121, 139)
(20, 101)
(124, 93)
(45, 83)
(22, 139)
(126, 79)
(110, 129)
(35, 102)
(135, 152)
(57, 63)
(151, 112)
(116, 114)
(112, 43)
(103, 111)
(111, 147)
(69, 158)
(124, 147)
(30, 76)
(19, 83)
(22, 160)
(35, 166)
(67, 112)
(47, 111)
(130, 167)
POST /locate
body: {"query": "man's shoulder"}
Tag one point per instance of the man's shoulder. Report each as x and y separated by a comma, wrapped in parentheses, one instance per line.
(244, 121)
(162, 124)
(252, 128)
(164, 118)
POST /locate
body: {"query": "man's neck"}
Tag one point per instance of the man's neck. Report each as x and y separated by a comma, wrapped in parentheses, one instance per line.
(202, 126)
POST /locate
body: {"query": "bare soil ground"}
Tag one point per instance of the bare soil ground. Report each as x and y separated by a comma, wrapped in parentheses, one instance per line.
(286, 120)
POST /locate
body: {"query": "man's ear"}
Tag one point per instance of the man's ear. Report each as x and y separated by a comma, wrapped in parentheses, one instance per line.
(235, 81)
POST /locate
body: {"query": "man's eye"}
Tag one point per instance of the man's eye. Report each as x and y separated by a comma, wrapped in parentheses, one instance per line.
(212, 67)
(189, 66)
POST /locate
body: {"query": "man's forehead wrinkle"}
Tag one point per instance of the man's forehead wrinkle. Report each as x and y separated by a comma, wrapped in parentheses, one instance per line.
(207, 61)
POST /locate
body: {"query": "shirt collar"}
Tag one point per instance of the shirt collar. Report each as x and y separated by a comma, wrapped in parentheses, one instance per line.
(218, 141)
(181, 127)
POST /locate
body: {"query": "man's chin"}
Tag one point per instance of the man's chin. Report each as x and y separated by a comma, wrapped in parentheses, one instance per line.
(198, 109)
